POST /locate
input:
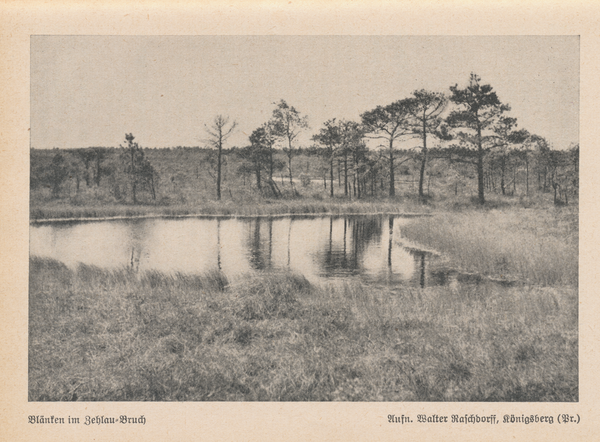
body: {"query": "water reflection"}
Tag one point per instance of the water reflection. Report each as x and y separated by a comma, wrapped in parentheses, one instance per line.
(364, 247)
(421, 258)
(348, 242)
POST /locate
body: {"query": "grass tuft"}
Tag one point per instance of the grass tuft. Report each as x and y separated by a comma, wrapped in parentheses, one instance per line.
(540, 247)
(98, 335)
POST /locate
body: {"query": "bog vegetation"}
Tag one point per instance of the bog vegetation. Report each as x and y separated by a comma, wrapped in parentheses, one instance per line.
(505, 206)
(447, 151)
(118, 336)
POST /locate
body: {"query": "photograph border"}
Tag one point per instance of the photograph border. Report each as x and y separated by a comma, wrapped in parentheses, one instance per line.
(280, 420)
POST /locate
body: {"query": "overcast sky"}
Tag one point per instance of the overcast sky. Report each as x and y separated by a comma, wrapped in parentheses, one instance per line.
(91, 90)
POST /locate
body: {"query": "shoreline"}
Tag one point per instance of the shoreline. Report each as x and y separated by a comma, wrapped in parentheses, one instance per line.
(222, 216)
(280, 209)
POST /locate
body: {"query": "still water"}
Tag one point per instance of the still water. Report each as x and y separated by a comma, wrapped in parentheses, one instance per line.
(325, 247)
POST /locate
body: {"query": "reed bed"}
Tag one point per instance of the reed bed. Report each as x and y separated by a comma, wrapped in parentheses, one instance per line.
(536, 246)
(98, 335)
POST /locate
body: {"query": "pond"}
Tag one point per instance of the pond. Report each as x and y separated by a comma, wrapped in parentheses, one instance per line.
(365, 247)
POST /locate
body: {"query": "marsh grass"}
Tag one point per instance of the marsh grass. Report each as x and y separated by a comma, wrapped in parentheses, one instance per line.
(537, 246)
(62, 210)
(98, 335)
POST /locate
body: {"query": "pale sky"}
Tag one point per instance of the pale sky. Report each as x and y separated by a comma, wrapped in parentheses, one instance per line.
(91, 90)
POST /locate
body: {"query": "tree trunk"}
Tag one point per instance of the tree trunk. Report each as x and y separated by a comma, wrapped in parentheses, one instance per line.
(358, 181)
(258, 183)
(270, 163)
(480, 183)
(428, 184)
(355, 178)
(290, 170)
(527, 173)
(220, 148)
(98, 171)
(274, 188)
(423, 160)
(290, 154)
(392, 177)
(345, 174)
(87, 176)
(502, 167)
(331, 175)
(133, 175)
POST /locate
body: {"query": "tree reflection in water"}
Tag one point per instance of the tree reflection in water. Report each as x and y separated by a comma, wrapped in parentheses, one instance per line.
(342, 251)
(363, 246)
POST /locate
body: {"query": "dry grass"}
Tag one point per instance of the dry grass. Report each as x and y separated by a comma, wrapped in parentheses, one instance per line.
(62, 210)
(538, 246)
(118, 335)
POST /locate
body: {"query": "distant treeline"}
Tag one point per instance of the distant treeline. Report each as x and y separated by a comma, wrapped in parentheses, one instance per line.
(186, 174)
(475, 143)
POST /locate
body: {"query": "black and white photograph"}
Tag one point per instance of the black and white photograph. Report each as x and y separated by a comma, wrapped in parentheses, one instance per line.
(304, 218)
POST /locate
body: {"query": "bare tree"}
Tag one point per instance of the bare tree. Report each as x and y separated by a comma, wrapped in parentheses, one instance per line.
(219, 131)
